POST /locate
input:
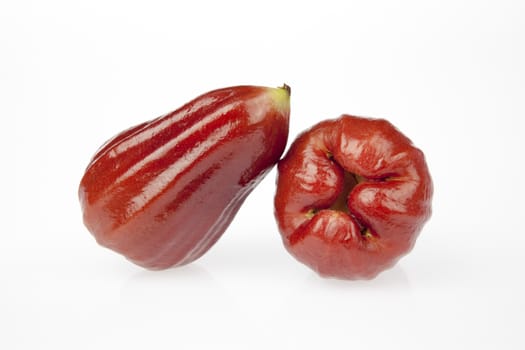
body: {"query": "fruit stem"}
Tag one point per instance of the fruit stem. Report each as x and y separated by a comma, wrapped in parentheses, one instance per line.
(287, 88)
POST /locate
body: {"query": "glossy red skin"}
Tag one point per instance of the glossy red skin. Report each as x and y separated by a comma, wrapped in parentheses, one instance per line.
(163, 192)
(386, 209)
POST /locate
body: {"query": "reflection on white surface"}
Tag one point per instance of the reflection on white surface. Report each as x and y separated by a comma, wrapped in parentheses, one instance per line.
(394, 279)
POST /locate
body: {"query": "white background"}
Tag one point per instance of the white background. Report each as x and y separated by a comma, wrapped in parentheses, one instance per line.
(449, 74)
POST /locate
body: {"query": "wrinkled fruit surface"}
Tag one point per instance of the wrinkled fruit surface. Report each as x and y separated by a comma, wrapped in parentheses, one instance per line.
(163, 192)
(352, 196)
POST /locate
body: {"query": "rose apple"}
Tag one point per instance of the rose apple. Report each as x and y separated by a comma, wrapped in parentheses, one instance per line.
(352, 196)
(163, 192)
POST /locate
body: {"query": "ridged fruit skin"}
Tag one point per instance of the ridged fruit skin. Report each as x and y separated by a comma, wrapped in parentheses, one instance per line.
(352, 196)
(163, 192)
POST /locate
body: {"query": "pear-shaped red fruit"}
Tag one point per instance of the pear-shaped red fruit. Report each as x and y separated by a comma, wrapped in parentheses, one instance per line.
(163, 192)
